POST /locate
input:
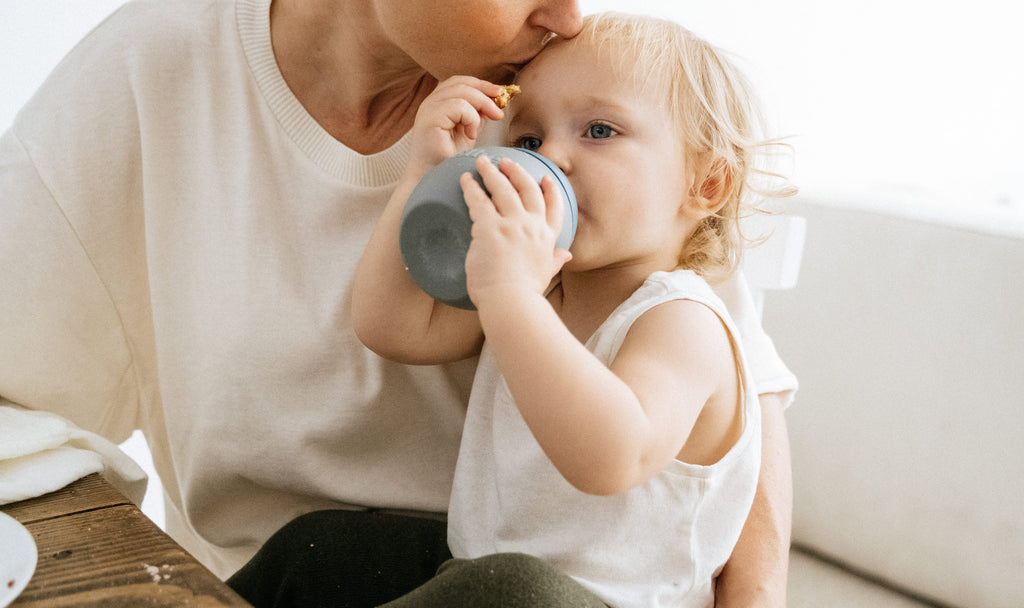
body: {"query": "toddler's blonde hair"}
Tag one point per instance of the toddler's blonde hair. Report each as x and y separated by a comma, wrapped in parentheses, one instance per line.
(716, 112)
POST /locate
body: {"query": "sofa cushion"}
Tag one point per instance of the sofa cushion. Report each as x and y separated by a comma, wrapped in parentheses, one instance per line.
(907, 458)
(814, 583)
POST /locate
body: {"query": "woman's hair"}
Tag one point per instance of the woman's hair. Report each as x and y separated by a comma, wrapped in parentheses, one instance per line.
(718, 117)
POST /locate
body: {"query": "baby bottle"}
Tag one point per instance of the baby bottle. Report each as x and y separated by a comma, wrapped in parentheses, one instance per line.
(435, 231)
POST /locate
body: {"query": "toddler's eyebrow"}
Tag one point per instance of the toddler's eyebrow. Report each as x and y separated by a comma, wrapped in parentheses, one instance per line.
(583, 103)
(600, 102)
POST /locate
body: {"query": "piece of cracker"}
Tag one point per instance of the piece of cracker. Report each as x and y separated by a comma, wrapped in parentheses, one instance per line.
(511, 90)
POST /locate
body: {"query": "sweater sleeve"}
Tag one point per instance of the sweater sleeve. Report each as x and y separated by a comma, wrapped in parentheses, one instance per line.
(74, 305)
(767, 367)
(62, 345)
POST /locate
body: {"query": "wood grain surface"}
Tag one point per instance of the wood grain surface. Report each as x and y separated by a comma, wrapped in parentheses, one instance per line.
(97, 549)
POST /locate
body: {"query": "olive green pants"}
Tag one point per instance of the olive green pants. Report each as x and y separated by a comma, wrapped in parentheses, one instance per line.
(508, 580)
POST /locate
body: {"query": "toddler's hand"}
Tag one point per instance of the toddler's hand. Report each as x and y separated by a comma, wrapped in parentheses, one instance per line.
(514, 231)
(449, 119)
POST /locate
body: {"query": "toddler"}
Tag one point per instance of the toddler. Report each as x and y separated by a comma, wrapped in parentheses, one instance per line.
(612, 440)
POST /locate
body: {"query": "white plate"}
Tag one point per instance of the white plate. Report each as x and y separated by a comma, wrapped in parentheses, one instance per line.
(17, 559)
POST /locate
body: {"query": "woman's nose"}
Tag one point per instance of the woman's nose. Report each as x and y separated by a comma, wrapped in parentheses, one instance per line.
(561, 17)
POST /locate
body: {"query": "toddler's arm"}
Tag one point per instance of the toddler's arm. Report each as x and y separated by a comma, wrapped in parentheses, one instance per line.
(609, 429)
(390, 314)
(606, 429)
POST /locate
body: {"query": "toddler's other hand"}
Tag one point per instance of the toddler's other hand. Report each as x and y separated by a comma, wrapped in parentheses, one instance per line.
(449, 119)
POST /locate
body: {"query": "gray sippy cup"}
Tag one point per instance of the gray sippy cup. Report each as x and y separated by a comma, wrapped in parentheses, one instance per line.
(435, 232)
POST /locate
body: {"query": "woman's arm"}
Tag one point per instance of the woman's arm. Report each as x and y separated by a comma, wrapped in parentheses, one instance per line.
(391, 315)
(756, 574)
(64, 345)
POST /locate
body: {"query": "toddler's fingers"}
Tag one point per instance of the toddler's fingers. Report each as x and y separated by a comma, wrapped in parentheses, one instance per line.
(503, 194)
(479, 93)
(459, 105)
(525, 184)
(561, 258)
(463, 117)
(479, 204)
(553, 204)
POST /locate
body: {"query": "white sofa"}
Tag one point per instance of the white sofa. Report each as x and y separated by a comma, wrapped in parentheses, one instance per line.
(907, 333)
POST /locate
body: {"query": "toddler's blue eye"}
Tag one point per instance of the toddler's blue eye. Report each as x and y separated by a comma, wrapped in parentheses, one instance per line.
(600, 131)
(528, 143)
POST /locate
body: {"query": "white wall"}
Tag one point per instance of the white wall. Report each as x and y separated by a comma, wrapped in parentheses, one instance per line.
(907, 97)
(910, 97)
(908, 339)
(34, 36)
(153, 503)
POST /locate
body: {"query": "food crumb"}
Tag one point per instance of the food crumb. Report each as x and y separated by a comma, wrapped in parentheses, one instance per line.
(153, 571)
(155, 574)
(10, 584)
(511, 90)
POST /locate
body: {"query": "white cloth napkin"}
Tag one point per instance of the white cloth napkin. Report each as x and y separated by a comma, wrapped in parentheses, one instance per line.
(41, 452)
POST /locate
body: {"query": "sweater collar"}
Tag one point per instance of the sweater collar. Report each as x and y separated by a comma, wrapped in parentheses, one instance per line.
(367, 170)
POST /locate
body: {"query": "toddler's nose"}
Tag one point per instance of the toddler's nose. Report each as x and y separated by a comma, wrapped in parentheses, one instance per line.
(557, 155)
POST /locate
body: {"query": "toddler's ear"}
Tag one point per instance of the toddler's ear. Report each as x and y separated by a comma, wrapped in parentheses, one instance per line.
(711, 188)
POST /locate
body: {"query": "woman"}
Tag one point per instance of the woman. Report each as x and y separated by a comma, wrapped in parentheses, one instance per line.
(184, 202)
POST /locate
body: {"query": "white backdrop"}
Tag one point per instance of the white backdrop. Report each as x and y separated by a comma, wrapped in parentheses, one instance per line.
(916, 99)
(911, 100)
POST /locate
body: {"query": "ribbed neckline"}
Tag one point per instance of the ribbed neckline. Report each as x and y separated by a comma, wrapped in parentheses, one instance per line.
(334, 157)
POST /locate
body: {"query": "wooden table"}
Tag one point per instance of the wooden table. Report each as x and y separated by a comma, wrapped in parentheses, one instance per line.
(97, 549)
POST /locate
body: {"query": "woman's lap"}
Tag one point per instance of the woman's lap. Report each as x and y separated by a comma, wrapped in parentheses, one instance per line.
(359, 559)
(343, 559)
